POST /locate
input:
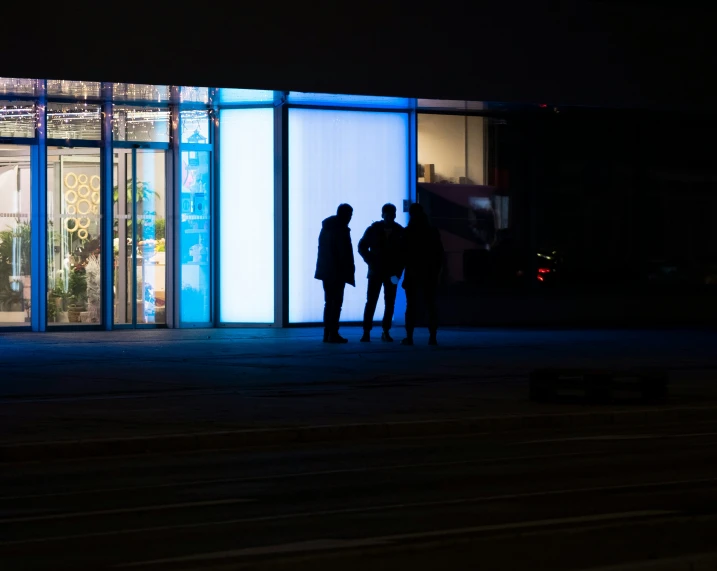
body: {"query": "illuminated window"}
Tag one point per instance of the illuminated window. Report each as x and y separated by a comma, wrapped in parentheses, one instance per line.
(357, 157)
(247, 211)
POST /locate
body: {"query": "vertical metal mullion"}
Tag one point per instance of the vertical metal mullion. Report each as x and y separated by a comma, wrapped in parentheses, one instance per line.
(215, 220)
(106, 222)
(172, 226)
(38, 219)
(134, 238)
(412, 156)
(281, 228)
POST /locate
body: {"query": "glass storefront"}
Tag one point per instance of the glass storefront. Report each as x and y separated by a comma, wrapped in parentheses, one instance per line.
(15, 236)
(74, 234)
(139, 241)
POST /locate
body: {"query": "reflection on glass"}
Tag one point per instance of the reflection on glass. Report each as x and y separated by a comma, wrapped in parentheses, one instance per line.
(139, 92)
(17, 86)
(78, 89)
(15, 192)
(195, 126)
(139, 265)
(194, 95)
(149, 124)
(74, 121)
(17, 119)
(73, 233)
(194, 237)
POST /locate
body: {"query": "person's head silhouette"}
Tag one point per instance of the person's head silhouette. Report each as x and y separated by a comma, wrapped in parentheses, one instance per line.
(388, 213)
(344, 213)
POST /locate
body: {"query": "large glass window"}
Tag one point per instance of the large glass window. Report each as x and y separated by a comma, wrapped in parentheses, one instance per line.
(195, 126)
(73, 234)
(139, 237)
(140, 92)
(148, 124)
(74, 121)
(338, 100)
(17, 119)
(15, 243)
(17, 86)
(356, 157)
(194, 236)
(247, 210)
(460, 187)
(74, 89)
(245, 96)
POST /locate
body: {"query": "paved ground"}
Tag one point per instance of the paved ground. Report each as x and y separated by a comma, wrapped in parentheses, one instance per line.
(69, 386)
(523, 500)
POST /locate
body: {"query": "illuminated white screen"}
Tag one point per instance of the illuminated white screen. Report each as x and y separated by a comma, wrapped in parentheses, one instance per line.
(247, 96)
(246, 208)
(357, 157)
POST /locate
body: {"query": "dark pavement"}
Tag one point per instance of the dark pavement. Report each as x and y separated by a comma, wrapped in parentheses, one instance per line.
(638, 484)
(538, 500)
(81, 385)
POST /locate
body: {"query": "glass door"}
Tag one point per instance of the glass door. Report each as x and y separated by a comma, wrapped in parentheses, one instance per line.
(139, 226)
(15, 241)
(73, 236)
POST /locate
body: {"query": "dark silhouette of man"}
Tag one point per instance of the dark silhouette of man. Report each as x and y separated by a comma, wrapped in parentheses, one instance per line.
(423, 257)
(335, 267)
(380, 247)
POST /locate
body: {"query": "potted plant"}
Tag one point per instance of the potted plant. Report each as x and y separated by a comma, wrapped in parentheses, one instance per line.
(77, 289)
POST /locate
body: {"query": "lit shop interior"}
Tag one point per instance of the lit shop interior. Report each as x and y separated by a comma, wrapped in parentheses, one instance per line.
(125, 205)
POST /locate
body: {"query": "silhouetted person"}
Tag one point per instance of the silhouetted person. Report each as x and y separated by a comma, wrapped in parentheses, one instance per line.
(423, 256)
(381, 249)
(335, 267)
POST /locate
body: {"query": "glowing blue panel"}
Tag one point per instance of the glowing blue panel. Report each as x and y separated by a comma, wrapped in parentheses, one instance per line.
(194, 237)
(335, 100)
(358, 157)
(246, 205)
(248, 96)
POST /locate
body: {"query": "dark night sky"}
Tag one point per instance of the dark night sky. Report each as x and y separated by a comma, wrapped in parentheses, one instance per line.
(606, 53)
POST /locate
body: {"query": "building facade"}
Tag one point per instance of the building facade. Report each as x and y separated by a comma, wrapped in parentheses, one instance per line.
(135, 205)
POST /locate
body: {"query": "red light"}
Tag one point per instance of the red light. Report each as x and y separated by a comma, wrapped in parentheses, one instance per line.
(543, 105)
(543, 270)
(541, 278)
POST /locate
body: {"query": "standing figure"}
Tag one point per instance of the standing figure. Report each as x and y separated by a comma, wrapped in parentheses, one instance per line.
(423, 257)
(380, 247)
(335, 268)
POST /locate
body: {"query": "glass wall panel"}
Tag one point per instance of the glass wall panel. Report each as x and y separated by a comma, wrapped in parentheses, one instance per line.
(140, 264)
(17, 86)
(195, 126)
(356, 157)
(75, 89)
(337, 100)
(460, 187)
(247, 96)
(15, 242)
(148, 124)
(17, 119)
(73, 233)
(74, 121)
(140, 92)
(247, 209)
(194, 237)
(194, 95)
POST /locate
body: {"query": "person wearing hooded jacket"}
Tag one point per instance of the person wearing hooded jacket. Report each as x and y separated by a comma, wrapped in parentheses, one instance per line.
(380, 247)
(335, 268)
